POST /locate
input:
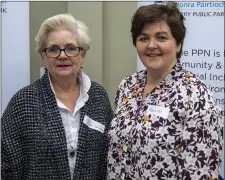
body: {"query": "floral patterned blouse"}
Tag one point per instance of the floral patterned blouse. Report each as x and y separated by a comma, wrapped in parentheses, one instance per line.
(176, 133)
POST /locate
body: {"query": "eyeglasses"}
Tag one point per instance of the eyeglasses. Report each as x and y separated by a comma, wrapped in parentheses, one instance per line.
(70, 51)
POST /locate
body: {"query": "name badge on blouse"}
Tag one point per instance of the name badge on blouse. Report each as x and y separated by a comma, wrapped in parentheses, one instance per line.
(159, 111)
(93, 124)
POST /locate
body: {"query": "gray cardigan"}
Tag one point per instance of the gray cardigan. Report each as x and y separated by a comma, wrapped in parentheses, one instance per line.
(33, 140)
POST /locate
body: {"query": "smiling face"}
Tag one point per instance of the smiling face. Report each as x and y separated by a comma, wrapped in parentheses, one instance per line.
(156, 47)
(62, 66)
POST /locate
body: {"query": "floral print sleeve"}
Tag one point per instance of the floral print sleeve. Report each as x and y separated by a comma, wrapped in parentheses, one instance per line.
(119, 91)
(202, 142)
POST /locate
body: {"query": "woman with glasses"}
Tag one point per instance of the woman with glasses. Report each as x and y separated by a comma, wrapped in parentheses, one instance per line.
(56, 128)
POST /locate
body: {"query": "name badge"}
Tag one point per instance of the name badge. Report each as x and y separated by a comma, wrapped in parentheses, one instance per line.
(159, 111)
(93, 124)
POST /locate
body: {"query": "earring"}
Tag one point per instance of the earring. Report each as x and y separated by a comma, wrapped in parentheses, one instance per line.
(81, 66)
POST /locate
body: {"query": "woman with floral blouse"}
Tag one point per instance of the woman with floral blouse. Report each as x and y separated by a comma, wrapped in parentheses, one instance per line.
(166, 124)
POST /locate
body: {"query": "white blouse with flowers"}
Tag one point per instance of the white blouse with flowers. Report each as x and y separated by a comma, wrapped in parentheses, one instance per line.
(176, 133)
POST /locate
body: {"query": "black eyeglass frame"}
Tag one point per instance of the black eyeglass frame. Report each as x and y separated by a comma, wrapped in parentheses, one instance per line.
(60, 50)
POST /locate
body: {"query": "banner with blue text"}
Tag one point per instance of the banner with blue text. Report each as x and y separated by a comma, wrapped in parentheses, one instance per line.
(15, 72)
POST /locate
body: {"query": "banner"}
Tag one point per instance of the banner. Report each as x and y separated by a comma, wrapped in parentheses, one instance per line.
(203, 50)
(15, 72)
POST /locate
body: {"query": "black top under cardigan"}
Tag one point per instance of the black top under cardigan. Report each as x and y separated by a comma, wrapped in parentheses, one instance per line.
(33, 140)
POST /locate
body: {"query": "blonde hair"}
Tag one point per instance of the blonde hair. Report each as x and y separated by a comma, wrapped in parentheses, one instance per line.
(61, 22)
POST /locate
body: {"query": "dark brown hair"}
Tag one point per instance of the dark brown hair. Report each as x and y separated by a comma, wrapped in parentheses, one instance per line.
(156, 13)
